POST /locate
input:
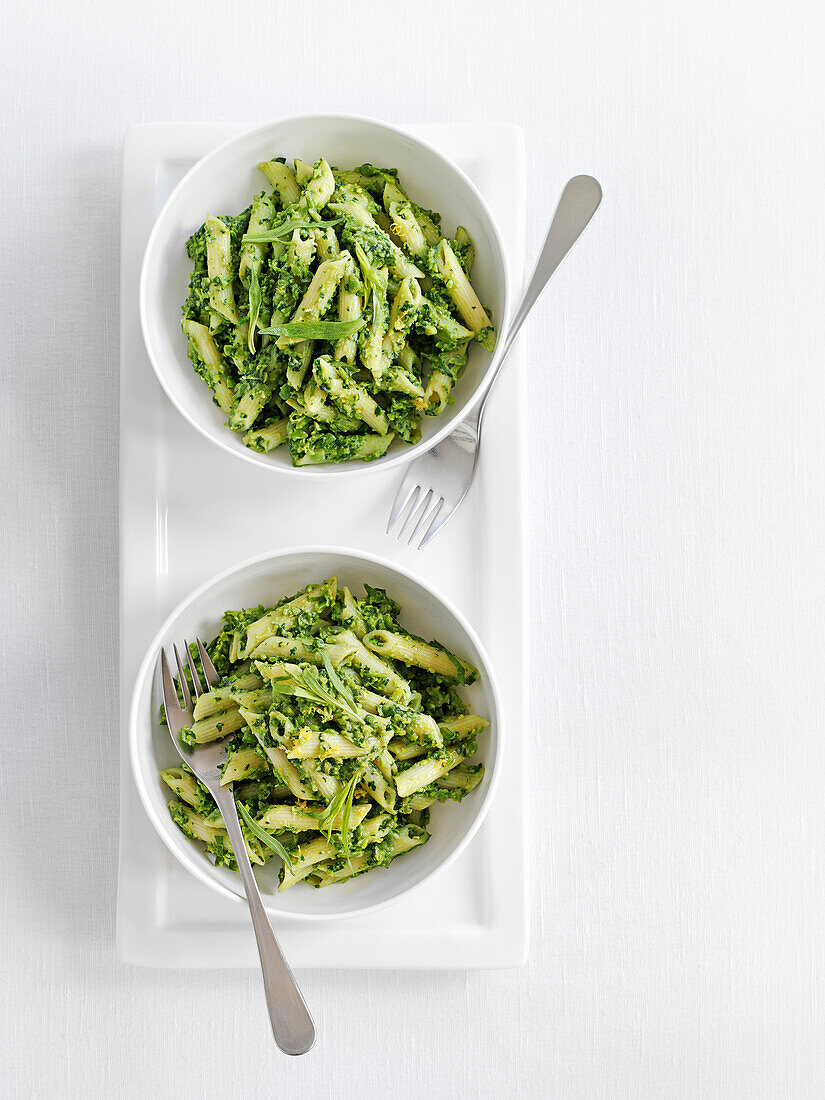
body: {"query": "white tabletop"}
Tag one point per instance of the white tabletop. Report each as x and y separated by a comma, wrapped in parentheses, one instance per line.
(678, 539)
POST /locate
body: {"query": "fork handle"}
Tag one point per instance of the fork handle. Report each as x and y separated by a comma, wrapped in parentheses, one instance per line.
(578, 203)
(291, 1022)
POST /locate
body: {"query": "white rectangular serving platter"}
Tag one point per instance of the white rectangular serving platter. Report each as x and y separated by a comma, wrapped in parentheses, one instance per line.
(476, 914)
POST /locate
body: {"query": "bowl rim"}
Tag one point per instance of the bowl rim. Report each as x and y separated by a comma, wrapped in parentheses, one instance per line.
(146, 672)
(327, 470)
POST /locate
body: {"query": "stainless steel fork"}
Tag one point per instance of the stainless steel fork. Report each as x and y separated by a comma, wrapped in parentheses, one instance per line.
(436, 483)
(291, 1022)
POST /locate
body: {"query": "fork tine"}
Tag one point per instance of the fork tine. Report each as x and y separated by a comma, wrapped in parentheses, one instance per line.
(419, 507)
(402, 499)
(435, 527)
(209, 672)
(170, 696)
(425, 523)
(184, 687)
(196, 683)
(424, 520)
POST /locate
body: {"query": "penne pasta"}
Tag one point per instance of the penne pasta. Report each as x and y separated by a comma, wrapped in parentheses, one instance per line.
(466, 300)
(412, 651)
(219, 268)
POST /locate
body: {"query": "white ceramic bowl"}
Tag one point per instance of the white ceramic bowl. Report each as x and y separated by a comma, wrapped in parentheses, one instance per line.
(225, 181)
(263, 580)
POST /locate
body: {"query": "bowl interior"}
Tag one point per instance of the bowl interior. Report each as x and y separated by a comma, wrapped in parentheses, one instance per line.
(264, 581)
(225, 181)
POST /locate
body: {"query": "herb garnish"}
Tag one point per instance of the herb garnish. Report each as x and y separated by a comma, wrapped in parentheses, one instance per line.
(286, 229)
(315, 330)
(307, 684)
(254, 308)
(264, 837)
(341, 803)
